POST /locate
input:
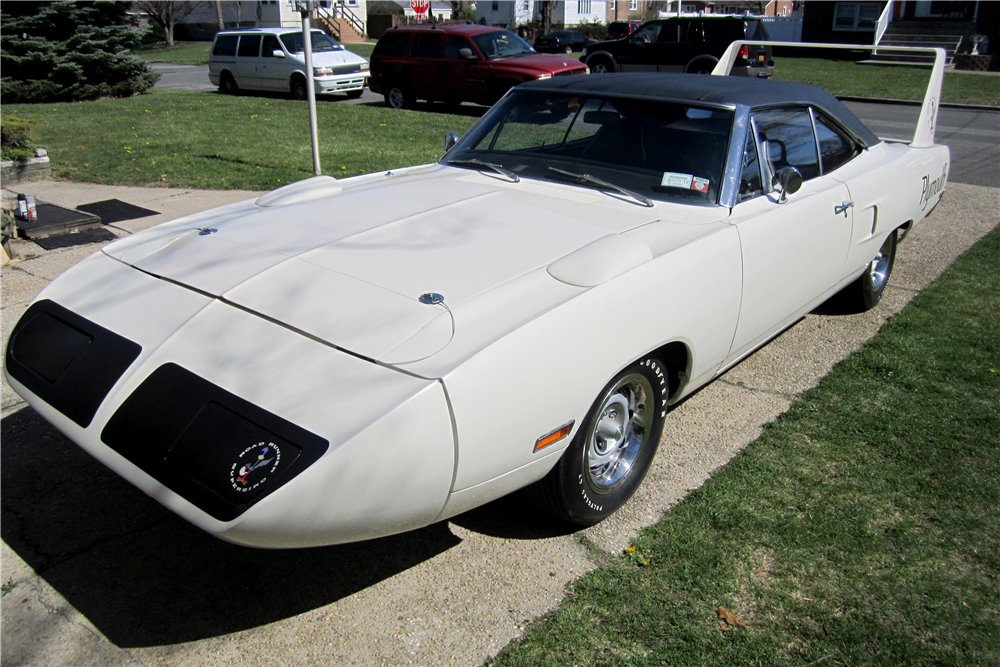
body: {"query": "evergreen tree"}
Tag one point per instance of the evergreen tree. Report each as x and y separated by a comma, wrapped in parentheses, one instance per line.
(70, 51)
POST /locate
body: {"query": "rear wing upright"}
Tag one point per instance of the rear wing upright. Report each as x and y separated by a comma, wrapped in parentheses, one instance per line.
(923, 137)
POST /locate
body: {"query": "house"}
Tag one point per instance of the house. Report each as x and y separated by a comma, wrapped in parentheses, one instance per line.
(345, 20)
(517, 14)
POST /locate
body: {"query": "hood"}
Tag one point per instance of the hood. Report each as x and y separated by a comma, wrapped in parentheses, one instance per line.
(350, 268)
(543, 63)
(330, 58)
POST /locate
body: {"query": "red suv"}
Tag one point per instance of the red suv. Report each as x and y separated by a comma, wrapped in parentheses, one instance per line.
(457, 63)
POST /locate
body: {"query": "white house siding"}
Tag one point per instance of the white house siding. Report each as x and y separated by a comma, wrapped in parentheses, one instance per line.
(513, 13)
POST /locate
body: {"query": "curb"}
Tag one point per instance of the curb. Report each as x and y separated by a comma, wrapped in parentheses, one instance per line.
(943, 105)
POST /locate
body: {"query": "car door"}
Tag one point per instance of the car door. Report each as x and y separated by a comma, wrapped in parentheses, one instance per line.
(462, 79)
(274, 71)
(793, 252)
(426, 58)
(670, 50)
(638, 52)
(247, 62)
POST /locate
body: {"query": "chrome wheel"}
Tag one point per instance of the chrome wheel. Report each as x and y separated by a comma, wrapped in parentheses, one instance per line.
(600, 67)
(878, 270)
(619, 432)
(396, 98)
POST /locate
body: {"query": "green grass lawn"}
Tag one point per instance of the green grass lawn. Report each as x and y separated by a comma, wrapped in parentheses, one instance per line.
(196, 53)
(844, 78)
(861, 528)
(209, 140)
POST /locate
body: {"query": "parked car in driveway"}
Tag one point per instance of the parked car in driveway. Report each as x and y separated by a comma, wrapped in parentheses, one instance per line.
(562, 41)
(620, 29)
(458, 63)
(273, 59)
(336, 361)
(690, 44)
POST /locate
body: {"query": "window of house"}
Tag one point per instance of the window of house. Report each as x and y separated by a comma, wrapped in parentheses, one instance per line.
(633, 5)
(496, 6)
(583, 7)
(249, 46)
(856, 15)
(614, 5)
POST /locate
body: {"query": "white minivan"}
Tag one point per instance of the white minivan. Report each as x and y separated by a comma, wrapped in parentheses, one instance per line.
(272, 59)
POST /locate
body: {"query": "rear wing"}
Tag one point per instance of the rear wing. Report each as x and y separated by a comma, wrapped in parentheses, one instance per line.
(923, 137)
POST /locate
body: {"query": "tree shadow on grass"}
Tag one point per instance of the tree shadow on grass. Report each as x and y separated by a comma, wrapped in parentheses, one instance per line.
(143, 576)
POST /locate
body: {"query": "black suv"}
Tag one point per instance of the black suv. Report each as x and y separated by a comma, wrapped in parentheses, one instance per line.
(684, 44)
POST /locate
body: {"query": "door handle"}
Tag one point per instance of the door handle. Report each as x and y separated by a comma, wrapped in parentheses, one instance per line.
(843, 208)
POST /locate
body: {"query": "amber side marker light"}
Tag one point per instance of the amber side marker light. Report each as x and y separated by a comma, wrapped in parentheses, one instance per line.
(554, 436)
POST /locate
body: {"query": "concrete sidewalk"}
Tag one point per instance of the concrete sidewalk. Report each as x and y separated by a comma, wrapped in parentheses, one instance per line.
(95, 573)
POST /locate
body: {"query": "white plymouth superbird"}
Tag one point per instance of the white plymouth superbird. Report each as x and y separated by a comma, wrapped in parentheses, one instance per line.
(341, 360)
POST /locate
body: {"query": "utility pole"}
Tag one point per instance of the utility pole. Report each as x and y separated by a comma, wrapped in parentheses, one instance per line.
(305, 8)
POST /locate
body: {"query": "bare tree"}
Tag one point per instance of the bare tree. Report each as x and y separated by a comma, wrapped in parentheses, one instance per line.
(218, 14)
(547, 9)
(167, 14)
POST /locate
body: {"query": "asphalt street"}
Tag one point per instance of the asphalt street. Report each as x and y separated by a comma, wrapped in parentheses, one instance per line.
(96, 573)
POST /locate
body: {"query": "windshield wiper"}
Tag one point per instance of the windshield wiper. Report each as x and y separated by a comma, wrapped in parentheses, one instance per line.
(593, 180)
(489, 165)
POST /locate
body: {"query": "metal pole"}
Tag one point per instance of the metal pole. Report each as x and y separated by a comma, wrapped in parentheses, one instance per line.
(310, 91)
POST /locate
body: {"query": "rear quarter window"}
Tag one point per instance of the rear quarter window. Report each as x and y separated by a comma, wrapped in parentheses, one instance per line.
(225, 45)
(392, 44)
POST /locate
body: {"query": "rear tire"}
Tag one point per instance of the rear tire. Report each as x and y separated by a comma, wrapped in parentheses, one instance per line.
(701, 66)
(612, 449)
(865, 292)
(228, 85)
(398, 97)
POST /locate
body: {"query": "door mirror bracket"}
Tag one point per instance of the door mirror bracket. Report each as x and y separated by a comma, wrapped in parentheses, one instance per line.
(788, 180)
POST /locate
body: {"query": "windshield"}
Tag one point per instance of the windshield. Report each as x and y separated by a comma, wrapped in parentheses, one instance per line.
(320, 42)
(662, 150)
(501, 44)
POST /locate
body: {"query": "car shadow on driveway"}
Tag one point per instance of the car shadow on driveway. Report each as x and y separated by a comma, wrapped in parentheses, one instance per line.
(145, 577)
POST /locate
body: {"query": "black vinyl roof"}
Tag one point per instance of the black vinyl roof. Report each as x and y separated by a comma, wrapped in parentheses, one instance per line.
(752, 92)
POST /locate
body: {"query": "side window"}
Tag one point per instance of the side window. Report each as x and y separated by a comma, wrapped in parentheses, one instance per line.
(270, 45)
(427, 45)
(648, 33)
(834, 148)
(249, 46)
(788, 136)
(225, 45)
(673, 32)
(455, 44)
(393, 44)
(750, 181)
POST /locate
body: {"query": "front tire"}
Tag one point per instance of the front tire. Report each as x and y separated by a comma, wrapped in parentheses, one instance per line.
(612, 449)
(865, 292)
(298, 88)
(601, 66)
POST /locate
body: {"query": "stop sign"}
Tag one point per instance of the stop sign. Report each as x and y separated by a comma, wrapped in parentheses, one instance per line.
(420, 7)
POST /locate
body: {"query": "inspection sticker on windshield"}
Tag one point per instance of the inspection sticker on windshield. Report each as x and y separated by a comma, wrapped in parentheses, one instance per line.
(673, 180)
(687, 181)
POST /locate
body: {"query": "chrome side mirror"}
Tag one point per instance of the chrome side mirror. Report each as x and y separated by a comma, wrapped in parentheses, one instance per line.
(788, 180)
(450, 140)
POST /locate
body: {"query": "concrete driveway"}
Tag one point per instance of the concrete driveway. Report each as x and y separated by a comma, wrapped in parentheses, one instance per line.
(96, 573)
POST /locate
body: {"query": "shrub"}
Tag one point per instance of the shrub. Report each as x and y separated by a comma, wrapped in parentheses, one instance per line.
(70, 51)
(15, 138)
